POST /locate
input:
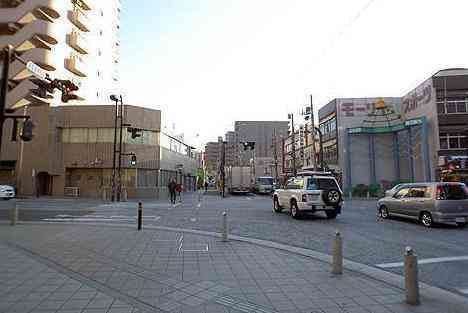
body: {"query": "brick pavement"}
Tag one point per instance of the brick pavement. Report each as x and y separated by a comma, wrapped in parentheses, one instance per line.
(85, 268)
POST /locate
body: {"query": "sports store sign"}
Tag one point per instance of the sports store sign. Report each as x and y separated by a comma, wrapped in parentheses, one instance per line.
(417, 98)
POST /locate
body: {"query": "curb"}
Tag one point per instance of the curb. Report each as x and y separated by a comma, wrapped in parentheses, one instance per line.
(392, 279)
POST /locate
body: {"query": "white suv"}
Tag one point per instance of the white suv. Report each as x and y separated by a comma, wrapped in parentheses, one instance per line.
(309, 192)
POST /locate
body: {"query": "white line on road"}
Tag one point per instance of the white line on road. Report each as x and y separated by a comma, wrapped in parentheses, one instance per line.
(426, 261)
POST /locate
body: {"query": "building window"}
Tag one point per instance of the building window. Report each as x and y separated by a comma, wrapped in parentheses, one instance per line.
(452, 107)
(453, 141)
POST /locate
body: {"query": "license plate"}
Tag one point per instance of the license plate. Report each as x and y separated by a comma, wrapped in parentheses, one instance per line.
(460, 219)
(312, 197)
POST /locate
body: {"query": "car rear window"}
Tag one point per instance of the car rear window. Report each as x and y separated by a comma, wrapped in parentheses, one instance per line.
(452, 192)
(321, 184)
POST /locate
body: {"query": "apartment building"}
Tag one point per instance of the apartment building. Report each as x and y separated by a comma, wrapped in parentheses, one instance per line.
(71, 39)
(74, 40)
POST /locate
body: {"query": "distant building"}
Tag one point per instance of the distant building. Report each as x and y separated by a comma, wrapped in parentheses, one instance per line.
(264, 134)
(212, 157)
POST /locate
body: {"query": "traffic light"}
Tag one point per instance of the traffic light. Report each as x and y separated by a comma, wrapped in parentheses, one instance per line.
(27, 130)
(135, 132)
(133, 160)
(248, 145)
(68, 87)
(44, 89)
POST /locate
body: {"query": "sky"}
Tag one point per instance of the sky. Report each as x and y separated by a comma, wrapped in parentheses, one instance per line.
(208, 63)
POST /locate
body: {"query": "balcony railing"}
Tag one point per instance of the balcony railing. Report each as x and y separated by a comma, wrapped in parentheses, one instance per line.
(452, 107)
(79, 19)
(84, 4)
(77, 42)
(75, 65)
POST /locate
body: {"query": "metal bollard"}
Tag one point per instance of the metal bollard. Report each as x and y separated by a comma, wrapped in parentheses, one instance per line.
(350, 195)
(411, 277)
(13, 215)
(140, 214)
(124, 195)
(225, 227)
(104, 194)
(368, 195)
(337, 266)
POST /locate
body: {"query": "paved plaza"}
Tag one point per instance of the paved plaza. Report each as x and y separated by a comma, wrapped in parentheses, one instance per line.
(113, 269)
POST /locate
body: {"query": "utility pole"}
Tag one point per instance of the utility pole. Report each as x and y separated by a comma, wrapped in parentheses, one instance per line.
(223, 172)
(291, 117)
(275, 154)
(312, 123)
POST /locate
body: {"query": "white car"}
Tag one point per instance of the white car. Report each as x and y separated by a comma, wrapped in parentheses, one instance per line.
(7, 192)
(309, 192)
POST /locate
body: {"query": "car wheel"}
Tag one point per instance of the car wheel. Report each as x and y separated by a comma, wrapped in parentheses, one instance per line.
(276, 206)
(295, 213)
(384, 212)
(331, 214)
(461, 224)
(426, 219)
(332, 197)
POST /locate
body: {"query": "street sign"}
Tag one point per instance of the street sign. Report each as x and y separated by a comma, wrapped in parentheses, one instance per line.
(36, 70)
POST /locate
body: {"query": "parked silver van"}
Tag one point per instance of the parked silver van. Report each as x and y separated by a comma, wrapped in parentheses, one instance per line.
(428, 202)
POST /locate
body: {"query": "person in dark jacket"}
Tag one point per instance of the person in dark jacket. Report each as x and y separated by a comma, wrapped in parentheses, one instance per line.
(172, 190)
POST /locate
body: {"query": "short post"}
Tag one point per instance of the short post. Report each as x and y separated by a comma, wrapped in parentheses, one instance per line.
(350, 194)
(337, 266)
(13, 214)
(124, 195)
(140, 214)
(225, 227)
(368, 195)
(104, 194)
(411, 277)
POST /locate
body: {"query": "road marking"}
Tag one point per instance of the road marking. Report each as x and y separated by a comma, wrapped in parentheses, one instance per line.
(98, 218)
(198, 205)
(193, 219)
(426, 261)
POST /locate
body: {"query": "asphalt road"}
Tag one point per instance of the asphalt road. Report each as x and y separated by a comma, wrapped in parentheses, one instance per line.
(367, 239)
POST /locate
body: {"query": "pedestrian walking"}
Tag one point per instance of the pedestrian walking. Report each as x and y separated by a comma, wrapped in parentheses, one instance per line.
(178, 189)
(172, 190)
